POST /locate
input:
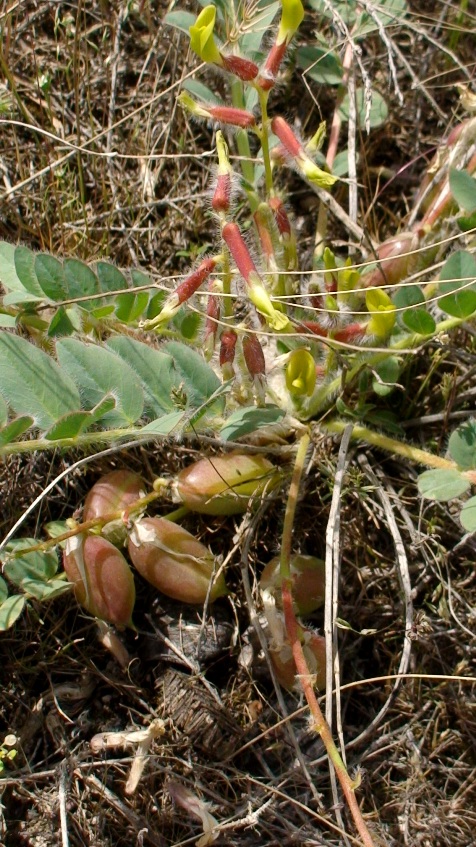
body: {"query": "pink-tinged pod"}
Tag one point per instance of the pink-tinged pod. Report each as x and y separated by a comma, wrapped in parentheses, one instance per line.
(308, 582)
(314, 649)
(102, 580)
(395, 257)
(226, 485)
(232, 116)
(113, 492)
(174, 561)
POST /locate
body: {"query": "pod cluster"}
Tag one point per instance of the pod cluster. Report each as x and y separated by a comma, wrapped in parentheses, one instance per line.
(98, 561)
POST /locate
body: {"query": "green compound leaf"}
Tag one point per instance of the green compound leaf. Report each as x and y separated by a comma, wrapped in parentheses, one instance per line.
(3, 590)
(458, 283)
(8, 273)
(320, 65)
(165, 425)
(442, 485)
(29, 565)
(110, 278)
(468, 515)
(248, 420)
(130, 306)
(10, 611)
(14, 429)
(377, 114)
(99, 372)
(33, 384)
(34, 572)
(50, 275)
(462, 445)
(180, 20)
(420, 321)
(72, 425)
(25, 268)
(80, 282)
(463, 189)
(201, 92)
(155, 370)
(197, 378)
(60, 324)
(387, 372)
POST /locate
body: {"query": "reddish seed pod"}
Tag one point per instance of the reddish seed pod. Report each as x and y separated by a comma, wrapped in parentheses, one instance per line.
(280, 215)
(225, 485)
(174, 561)
(308, 582)
(112, 493)
(394, 259)
(222, 193)
(102, 579)
(314, 649)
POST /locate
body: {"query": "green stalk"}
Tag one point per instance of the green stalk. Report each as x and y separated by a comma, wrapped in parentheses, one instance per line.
(391, 445)
(292, 628)
(243, 145)
(264, 138)
(326, 393)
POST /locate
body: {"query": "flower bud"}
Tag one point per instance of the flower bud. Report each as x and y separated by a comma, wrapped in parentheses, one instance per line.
(225, 485)
(174, 561)
(296, 151)
(244, 69)
(308, 582)
(102, 580)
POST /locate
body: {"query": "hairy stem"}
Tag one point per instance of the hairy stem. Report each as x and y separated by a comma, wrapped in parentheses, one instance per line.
(292, 630)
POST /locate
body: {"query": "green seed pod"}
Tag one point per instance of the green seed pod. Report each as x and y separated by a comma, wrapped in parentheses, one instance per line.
(308, 582)
(174, 561)
(225, 485)
(102, 580)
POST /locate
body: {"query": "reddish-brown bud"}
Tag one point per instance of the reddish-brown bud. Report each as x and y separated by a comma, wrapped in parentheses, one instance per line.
(174, 561)
(228, 341)
(351, 333)
(238, 249)
(244, 69)
(270, 70)
(102, 579)
(280, 215)
(313, 327)
(222, 193)
(254, 356)
(190, 285)
(226, 485)
(288, 139)
(232, 116)
(307, 578)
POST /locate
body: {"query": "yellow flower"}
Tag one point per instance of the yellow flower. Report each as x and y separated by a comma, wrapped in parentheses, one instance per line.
(382, 313)
(291, 17)
(301, 373)
(202, 40)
